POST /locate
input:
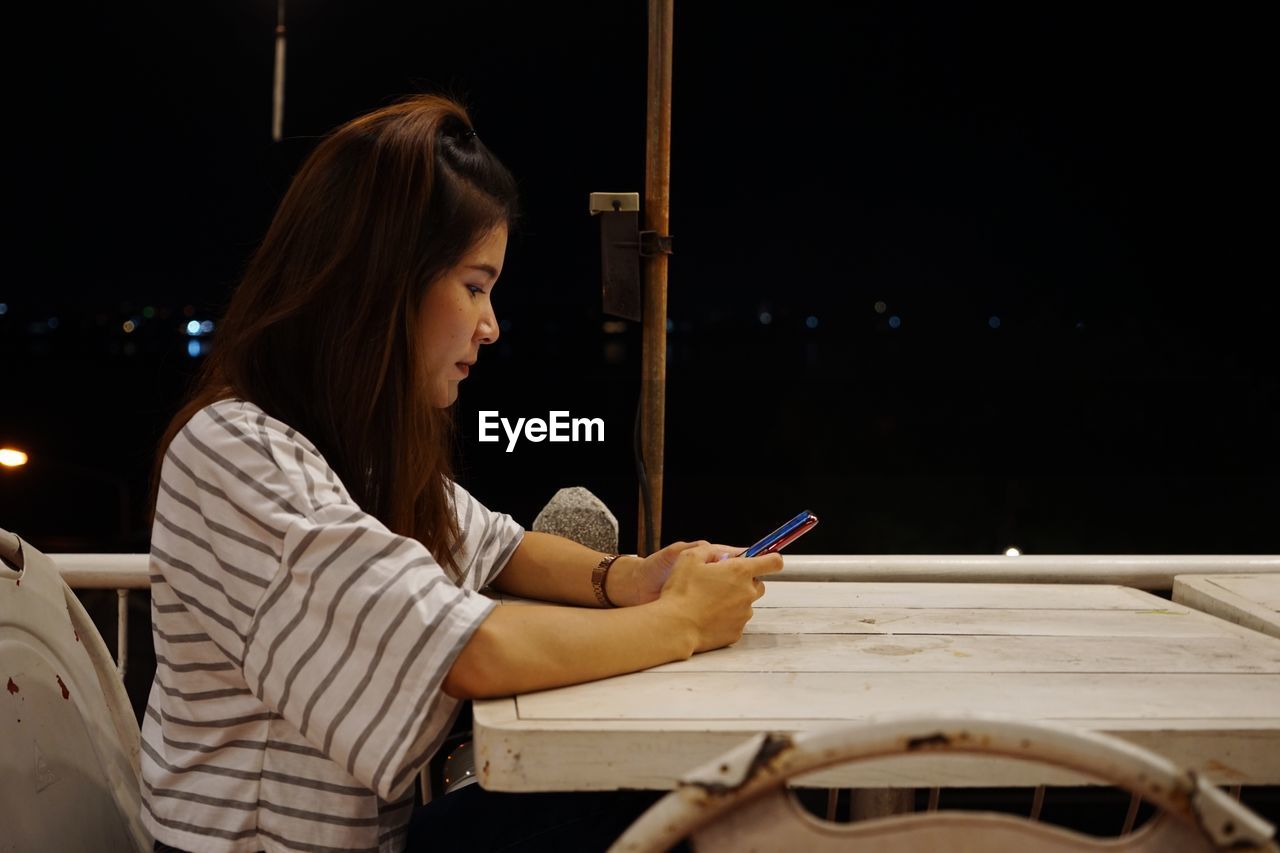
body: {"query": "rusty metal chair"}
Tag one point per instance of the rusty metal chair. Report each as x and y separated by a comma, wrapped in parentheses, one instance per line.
(740, 802)
(69, 741)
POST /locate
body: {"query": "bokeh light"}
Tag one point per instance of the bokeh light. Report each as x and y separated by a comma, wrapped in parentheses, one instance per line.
(12, 458)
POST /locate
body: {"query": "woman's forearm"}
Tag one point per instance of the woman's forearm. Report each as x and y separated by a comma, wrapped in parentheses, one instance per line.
(520, 648)
(551, 568)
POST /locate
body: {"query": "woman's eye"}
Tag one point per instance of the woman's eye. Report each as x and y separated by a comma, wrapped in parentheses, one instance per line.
(474, 289)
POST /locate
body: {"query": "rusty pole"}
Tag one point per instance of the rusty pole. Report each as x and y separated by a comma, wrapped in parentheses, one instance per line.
(657, 179)
(277, 83)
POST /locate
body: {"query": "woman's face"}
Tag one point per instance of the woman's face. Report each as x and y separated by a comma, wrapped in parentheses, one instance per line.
(457, 316)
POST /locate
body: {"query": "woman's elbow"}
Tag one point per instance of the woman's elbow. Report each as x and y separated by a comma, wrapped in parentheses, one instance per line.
(468, 678)
(457, 685)
(464, 677)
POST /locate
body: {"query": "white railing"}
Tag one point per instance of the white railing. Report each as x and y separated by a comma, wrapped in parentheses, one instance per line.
(1153, 572)
(121, 572)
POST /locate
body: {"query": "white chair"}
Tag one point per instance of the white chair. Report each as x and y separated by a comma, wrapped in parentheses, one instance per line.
(69, 741)
(739, 802)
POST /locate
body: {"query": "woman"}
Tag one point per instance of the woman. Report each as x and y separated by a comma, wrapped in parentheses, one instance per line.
(315, 571)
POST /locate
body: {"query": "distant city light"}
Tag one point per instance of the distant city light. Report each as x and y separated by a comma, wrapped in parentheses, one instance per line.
(148, 312)
(994, 322)
(616, 327)
(193, 348)
(206, 327)
(4, 308)
(765, 318)
(52, 322)
(811, 321)
(128, 326)
(1013, 552)
(11, 458)
(895, 321)
(881, 307)
(193, 327)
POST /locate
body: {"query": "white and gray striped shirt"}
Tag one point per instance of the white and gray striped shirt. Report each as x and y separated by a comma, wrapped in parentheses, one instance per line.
(300, 645)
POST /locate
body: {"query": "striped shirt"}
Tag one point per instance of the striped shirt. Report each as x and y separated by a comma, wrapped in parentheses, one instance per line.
(300, 645)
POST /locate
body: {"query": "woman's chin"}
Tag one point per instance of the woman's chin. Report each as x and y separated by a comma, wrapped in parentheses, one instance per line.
(445, 397)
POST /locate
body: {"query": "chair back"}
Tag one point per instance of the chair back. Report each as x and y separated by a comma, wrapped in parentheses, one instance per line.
(740, 801)
(69, 741)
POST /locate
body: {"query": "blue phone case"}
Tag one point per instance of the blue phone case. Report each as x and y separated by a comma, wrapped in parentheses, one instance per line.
(781, 533)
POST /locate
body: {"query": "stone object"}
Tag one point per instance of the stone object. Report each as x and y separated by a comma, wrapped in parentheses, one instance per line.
(576, 514)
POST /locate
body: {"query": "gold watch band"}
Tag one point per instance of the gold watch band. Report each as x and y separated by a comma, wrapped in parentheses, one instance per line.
(599, 575)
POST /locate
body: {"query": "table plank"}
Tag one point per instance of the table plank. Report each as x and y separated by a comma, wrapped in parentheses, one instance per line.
(928, 596)
(570, 756)
(1252, 601)
(1170, 621)
(1263, 589)
(982, 653)
(657, 696)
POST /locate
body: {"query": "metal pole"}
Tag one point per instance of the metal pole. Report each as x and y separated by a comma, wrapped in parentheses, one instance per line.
(657, 179)
(122, 630)
(277, 84)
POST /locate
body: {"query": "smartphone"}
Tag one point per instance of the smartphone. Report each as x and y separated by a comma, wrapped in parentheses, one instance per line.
(783, 536)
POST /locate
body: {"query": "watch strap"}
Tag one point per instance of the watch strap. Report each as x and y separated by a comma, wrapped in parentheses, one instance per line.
(599, 576)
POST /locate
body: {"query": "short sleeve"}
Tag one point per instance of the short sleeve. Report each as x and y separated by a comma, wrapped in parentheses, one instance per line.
(352, 640)
(488, 539)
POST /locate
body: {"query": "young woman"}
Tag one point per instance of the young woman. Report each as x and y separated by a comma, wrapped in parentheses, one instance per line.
(316, 572)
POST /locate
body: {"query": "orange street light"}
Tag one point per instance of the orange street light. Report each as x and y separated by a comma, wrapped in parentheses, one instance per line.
(11, 458)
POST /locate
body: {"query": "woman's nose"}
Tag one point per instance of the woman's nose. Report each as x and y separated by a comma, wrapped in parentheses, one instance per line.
(488, 328)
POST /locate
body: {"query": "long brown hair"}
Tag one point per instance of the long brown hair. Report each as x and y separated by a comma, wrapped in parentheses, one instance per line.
(323, 330)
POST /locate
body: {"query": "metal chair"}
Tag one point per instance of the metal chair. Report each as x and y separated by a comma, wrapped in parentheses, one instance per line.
(739, 802)
(69, 741)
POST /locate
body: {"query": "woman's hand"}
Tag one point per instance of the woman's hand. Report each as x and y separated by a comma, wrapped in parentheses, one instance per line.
(642, 578)
(714, 595)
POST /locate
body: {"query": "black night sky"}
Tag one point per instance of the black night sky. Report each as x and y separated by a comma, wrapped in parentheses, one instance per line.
(956, 277)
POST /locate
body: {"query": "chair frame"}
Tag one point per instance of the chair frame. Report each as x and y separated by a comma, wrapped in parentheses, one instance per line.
(764, 763)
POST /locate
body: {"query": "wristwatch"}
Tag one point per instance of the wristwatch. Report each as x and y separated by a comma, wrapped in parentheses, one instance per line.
(598, 577)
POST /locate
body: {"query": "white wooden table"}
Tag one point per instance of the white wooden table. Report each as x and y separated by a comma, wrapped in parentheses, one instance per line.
(1200, 690)
(1249, 600)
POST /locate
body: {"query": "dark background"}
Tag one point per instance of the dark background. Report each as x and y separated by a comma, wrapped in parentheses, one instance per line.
(1097, 178)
